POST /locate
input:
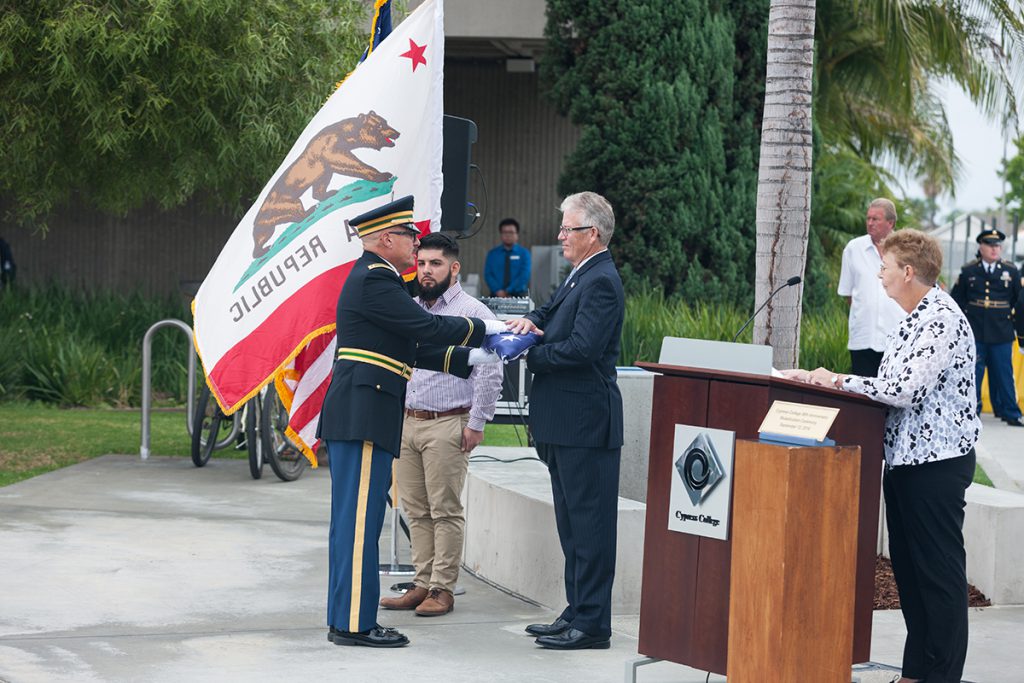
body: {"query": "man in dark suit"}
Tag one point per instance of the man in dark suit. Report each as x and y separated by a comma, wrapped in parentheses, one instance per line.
(989, 292)
(382, 333)
(576, 419)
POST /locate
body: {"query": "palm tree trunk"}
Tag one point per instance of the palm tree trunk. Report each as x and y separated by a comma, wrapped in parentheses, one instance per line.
(784, 176)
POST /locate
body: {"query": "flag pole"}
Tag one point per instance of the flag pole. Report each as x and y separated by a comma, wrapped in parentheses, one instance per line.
(395, 568)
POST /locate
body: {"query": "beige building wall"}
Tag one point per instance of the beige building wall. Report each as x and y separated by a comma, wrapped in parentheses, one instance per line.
(520, 150)
(149, 249)
(492, 19)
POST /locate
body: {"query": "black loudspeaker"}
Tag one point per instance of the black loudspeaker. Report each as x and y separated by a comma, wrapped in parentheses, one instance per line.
(459, 136)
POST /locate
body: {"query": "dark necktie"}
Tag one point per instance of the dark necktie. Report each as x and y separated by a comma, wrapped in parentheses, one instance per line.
(508, 270)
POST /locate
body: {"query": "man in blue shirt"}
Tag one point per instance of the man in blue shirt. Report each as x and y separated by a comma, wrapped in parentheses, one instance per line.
(507, 268)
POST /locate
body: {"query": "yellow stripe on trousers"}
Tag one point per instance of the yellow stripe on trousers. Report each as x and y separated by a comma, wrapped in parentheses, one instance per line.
(357, 545)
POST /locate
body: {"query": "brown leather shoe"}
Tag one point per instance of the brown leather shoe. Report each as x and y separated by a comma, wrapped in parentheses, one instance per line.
(437, 603)
(410, 600)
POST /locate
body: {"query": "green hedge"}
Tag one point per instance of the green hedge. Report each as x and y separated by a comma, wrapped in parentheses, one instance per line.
(76, 348)
(650, 318)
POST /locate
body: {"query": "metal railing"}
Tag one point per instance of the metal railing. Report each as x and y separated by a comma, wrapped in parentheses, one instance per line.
(143, 450)
(147, 379)
(958, 239)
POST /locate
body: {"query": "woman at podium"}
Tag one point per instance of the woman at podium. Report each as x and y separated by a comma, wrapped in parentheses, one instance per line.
(927, 380)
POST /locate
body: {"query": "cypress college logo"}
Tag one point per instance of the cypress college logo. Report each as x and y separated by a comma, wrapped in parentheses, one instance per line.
(700, 493)
(700, 468)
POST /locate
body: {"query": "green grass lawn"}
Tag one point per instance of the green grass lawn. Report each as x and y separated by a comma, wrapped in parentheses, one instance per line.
(504, 435)
(981, 478)
(37, 438)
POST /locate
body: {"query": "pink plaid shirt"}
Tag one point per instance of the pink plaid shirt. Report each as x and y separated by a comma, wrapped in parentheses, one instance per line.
(438, 391)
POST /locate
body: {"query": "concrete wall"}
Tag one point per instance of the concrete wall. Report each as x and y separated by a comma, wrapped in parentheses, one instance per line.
(511, 539)
(148, 249)
(497, 19)
(993, 520)
(510, 522)
(637, 387)
(993, 529)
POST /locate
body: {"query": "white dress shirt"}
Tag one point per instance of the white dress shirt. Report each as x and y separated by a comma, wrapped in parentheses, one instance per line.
(873, 315)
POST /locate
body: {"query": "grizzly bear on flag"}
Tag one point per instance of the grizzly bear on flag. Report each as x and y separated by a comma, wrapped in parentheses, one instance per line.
(329, 152)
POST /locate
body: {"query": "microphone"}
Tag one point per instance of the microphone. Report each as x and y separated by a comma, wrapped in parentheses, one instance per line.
(795, 280)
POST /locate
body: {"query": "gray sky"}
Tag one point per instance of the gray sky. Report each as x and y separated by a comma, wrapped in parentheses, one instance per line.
(979, 144)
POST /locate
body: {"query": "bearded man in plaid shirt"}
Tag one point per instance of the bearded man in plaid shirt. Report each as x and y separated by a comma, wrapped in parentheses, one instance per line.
(444, 422)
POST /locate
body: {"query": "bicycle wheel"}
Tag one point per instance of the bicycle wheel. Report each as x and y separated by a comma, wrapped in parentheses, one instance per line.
(285, 458)
(205, 428)
(253, 438)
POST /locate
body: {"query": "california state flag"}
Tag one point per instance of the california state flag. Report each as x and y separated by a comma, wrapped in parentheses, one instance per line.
(274, 288)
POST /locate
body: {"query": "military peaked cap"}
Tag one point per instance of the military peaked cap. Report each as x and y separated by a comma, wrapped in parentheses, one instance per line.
(990, 236)
(393, 214)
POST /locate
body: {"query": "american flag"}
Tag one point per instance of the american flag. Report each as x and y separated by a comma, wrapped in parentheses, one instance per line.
(302, 386)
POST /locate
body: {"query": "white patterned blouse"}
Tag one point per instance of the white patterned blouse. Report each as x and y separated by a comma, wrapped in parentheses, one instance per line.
(927, 379)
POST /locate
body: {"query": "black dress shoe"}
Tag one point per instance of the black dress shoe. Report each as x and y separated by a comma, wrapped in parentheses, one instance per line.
(1014, 421)
(574, 639)
(378, 636)
(559, 625)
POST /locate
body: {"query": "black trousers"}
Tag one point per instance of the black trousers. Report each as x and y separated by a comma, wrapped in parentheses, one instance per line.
(865, 362)
(924, 506)
(585, 485)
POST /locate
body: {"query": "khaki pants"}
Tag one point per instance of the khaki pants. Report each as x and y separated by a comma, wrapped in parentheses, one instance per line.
(431, 472)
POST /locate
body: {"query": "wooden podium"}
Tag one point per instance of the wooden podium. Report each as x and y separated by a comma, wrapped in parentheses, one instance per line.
(685, 599)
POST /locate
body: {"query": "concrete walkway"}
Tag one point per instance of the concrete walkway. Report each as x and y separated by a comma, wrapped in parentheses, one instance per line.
(117, 569)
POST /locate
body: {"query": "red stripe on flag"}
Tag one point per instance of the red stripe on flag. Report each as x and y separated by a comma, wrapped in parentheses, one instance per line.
(261, 352)
(312, 352)
(309, 411)
(308, 397)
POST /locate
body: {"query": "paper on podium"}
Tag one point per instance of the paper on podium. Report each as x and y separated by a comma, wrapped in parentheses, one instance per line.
(752, 359)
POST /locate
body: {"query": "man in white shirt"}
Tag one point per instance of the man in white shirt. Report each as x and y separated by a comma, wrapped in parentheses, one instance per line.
(873, 315)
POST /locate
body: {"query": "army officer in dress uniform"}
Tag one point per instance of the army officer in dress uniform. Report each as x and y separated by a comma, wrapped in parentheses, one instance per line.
(382, 334)
(989, 292)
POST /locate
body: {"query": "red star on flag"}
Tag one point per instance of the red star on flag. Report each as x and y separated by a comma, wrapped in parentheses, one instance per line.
(415, 53)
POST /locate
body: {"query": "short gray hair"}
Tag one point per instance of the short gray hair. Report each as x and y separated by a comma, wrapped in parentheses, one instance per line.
(596, 211)
(885, 205)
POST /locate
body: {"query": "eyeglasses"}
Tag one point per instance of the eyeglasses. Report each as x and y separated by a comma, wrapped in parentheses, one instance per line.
(409, 231)
(562, 229)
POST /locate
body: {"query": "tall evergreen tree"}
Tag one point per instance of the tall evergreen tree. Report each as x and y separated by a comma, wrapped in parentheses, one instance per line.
(667, 96)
